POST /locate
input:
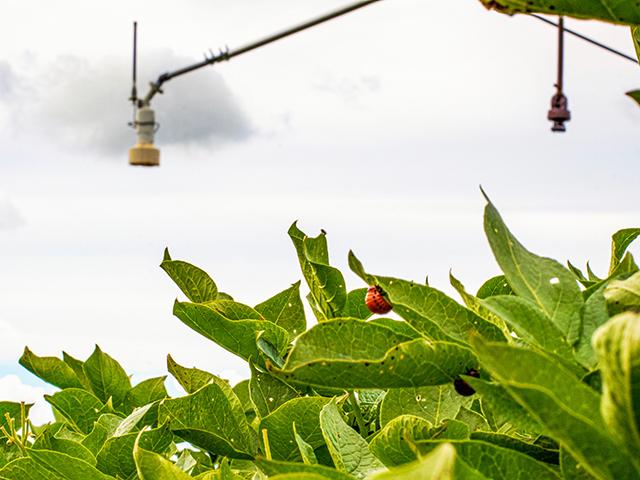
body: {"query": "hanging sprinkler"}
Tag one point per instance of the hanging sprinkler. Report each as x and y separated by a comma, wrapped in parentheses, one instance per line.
(559, 112)
(143, 153)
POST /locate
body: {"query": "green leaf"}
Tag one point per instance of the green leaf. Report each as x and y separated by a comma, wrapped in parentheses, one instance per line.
(622, 239)
(95, 440)
(50, 369)
(571, 469)
(504, 409)
(232, 310)
(268, 392)
(300, 471)
(476, 306)
(116, 456)
(497, 462)
(621, 11)
(107, 378)
(617, 344)
(541, 280)
(306, 451)
(241, 391)
(144, 393)
(356, 306)
(151, 466)
(568, 409)
(325, 282)
(348, 449)
(194, 282)
(634, 94)
(48, 465)
(474, 420)
(440, 464)
(392, 445)
(209, 420)
(623, 295)
(79, 407)
(191, 379)
(48, 441)
(304, 413)
(494, 286)
(635, 35)
(78, 368)
(534, 451)
(530, 323)
(433, 404)
(594, 314)
(285, 310)
(349, 353)
(237, 336)
(428, 310)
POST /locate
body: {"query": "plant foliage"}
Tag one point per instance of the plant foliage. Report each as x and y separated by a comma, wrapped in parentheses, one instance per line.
(354, 397)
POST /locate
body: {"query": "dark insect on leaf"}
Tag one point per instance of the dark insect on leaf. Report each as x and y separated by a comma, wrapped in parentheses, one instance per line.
(462, 387)
(376, 302)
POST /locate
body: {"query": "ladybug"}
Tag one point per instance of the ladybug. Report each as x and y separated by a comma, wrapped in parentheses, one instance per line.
(462, 387)
(375, 301)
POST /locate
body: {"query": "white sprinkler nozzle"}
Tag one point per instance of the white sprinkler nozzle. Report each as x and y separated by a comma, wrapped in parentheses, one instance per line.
(144, 153)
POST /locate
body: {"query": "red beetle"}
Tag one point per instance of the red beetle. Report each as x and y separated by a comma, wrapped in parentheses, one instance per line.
(376, 301)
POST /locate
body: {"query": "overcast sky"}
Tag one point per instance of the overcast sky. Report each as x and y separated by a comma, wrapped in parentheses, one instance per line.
(377, 127)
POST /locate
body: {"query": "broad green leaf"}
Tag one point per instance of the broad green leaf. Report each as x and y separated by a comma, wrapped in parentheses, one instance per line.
(568, 409)
(349, 451)
(623, 295)
(506, 441)
(50, 369)
(326, 283)
(304, 412)
(50, 440)
(285, 310)
(617, 344)
(194, 282)
(78, 368)
(116, 456)
(191, 379)
(541, 280)
(349, 353)
(579, 275)
(144, 393)
(237, 336)
(623, 238)
(571, 469)
(530, 323)
(45, 465)
(131, 422)
(433, 404)
(15, 412)
(428, 310)
(392, 445)
(273, 468)
(185, 461)
(306, 451)
(398, 327)
(241, 390)
(107, 378)
(614, 11)
(476, 306)
(268, 392)
(474, 420)
(79, 407)
(95, 440)
(496, 462)
(494, 286)
(356, 306)
(151, 466)
(208, 420)
(502, 407)
(232, 310)
(594, 314)
(440, 464)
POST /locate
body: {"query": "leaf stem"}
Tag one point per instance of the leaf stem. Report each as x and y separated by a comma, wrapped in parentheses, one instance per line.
(358, 413)
(265, 440)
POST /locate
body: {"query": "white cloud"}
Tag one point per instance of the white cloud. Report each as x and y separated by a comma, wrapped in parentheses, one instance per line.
(81, 105)
(12, 389)
(10, 217)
